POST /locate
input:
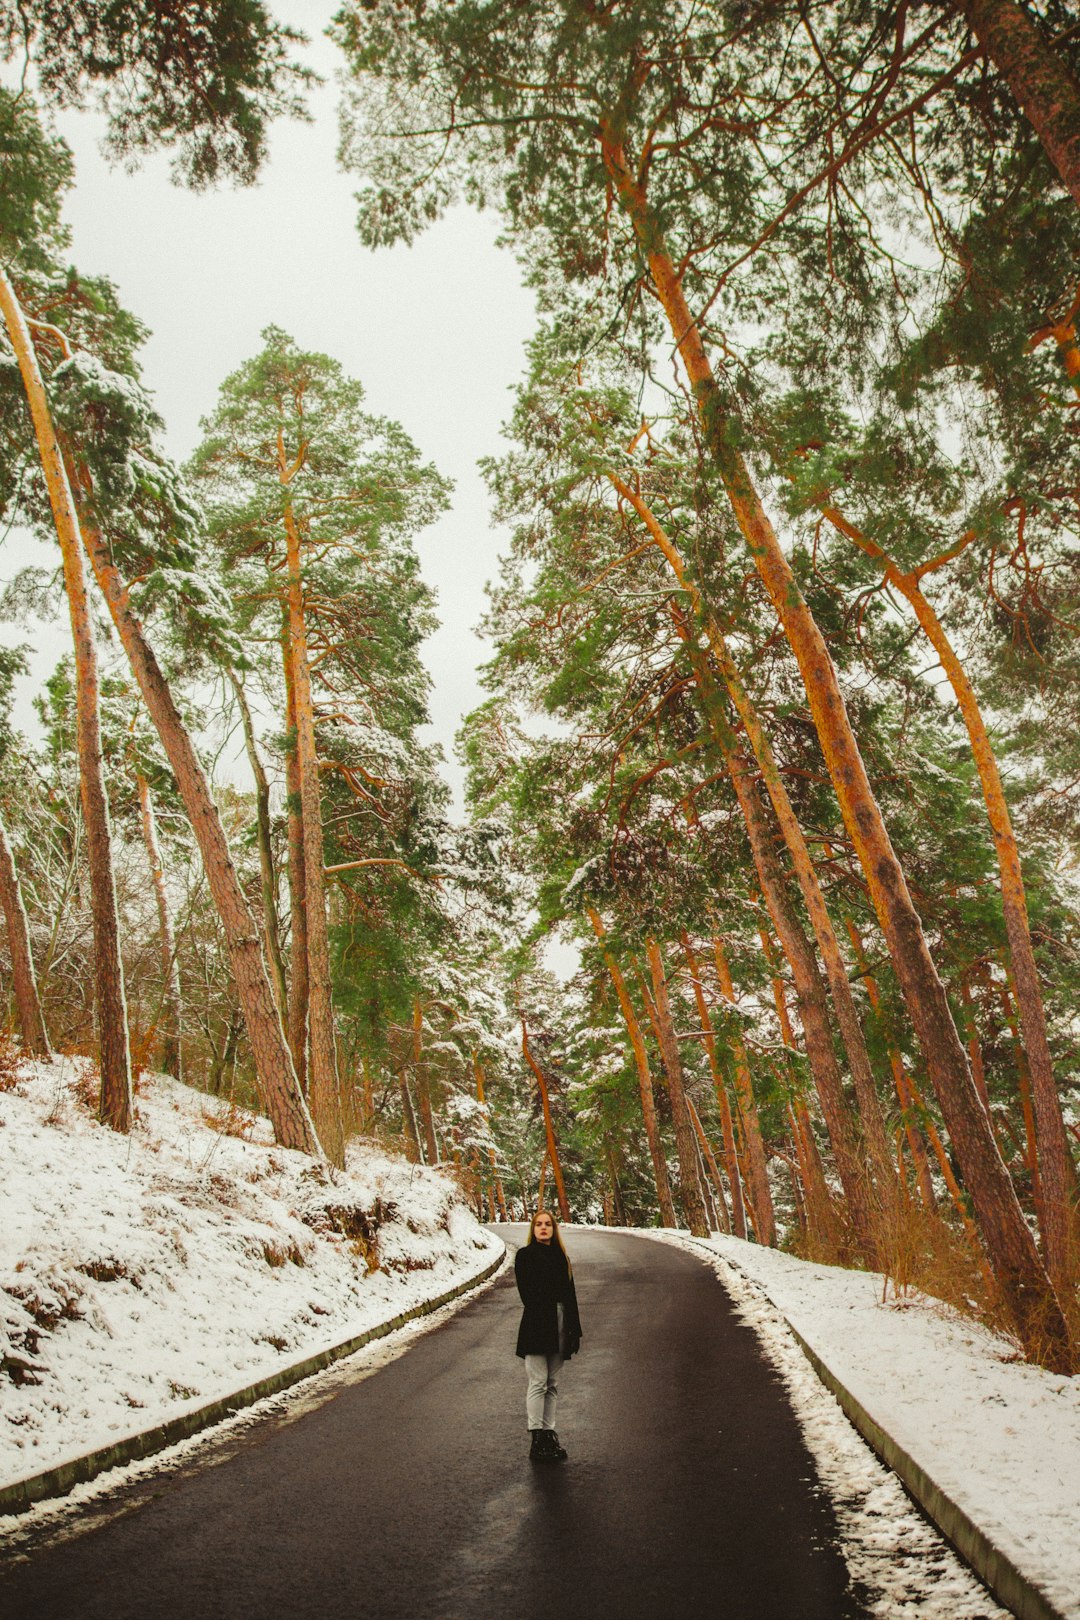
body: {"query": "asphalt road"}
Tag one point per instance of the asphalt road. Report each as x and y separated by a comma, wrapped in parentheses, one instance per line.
(688, 1490)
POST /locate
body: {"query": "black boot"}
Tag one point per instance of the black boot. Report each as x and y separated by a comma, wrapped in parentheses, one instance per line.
(558, 1452)
(538, 1451)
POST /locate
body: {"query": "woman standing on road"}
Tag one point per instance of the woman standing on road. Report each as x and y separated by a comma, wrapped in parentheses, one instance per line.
(550, 1331)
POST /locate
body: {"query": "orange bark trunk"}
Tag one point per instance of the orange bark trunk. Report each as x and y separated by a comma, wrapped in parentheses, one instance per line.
(274, 1072)
(496, 1180)
(847, 1017)
(1025, 1284)
(720, 1202)
(298, 987)
(659, 1007)
(808, 986)
(267, 874)
(113, 1045)
(900, 1079)
(549, 1129)
(644, 1074)
(325, 1090)
(1055, 1160)
(738, 1052)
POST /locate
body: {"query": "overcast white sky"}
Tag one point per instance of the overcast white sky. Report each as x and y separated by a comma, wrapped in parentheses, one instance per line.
(434, 332)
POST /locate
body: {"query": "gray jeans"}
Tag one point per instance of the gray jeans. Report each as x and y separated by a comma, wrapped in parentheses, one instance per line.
(543, 1390)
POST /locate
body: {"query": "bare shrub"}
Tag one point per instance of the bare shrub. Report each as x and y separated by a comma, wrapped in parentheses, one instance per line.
(230, 1121)
(10, 1062)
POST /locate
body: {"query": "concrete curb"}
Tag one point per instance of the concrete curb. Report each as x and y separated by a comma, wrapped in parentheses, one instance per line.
(1013, 1589)
(23, 1493)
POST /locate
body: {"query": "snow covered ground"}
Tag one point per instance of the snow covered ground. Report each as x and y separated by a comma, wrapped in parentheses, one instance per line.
(1001, 1438)
(146, 1274)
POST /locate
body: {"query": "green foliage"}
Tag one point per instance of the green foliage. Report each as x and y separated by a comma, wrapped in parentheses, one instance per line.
(205, 79)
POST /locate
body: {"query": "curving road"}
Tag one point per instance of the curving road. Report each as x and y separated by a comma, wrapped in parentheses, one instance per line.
(688, 1491)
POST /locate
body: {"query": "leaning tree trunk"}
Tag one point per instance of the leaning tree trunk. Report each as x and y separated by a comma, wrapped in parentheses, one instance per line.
(1040, 80)
(847, 1017)
(552, 1154)
(1025, 1284)
(809, 988)
(325, 1090)
(294, 811)
(170, 971)
(659, 1007)
(274, 1072)
(753, 1145)
(32, 1029)
(821, 1220)
(709, 1160)
(267, 874)
(904, 1093)
(109, 1001)
(738, 1050)
(645, 1085)
(1056, 1170)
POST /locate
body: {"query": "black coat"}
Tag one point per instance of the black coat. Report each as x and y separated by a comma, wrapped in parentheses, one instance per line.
(544, 1282)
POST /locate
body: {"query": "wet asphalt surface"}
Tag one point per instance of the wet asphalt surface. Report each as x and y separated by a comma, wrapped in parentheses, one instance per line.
(688, 1490)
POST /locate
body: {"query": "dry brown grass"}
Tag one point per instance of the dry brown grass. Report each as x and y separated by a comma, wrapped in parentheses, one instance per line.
(929, 1252)
(230, 1121)
(10, 1061)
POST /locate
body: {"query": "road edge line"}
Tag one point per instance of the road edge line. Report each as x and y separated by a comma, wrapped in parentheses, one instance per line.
(1013, 1589)
(22, 1494)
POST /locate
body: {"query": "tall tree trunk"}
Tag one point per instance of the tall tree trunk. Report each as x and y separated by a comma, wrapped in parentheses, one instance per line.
(753, 1145)
(549, 1127)
(847, 1017)
(496, 1180)
(1025, 1284)
(645, 1085)
(1038, 77)
(1023, 1078)
(113, 1045)
(709, 1159)
(412, 1135)
(738, 1052)
(545, 1164)
(267, 874)
(274, 1072)
(821, 1221)
(1056, 1168)
(423, 1085)
(974, 1042)
(325, 1090)
(809, 989)
(32, 1031)
(659, 1007)
(170, 971)
(899, 1074)
(294, 810)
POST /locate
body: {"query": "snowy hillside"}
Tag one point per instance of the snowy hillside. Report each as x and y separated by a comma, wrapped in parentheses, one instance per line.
(141, 1274)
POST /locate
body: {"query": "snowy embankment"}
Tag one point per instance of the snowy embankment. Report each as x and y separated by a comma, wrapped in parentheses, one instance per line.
(999, 1437)
(143, 1275)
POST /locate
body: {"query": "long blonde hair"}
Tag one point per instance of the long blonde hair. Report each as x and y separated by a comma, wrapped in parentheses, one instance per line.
(556, 1235)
